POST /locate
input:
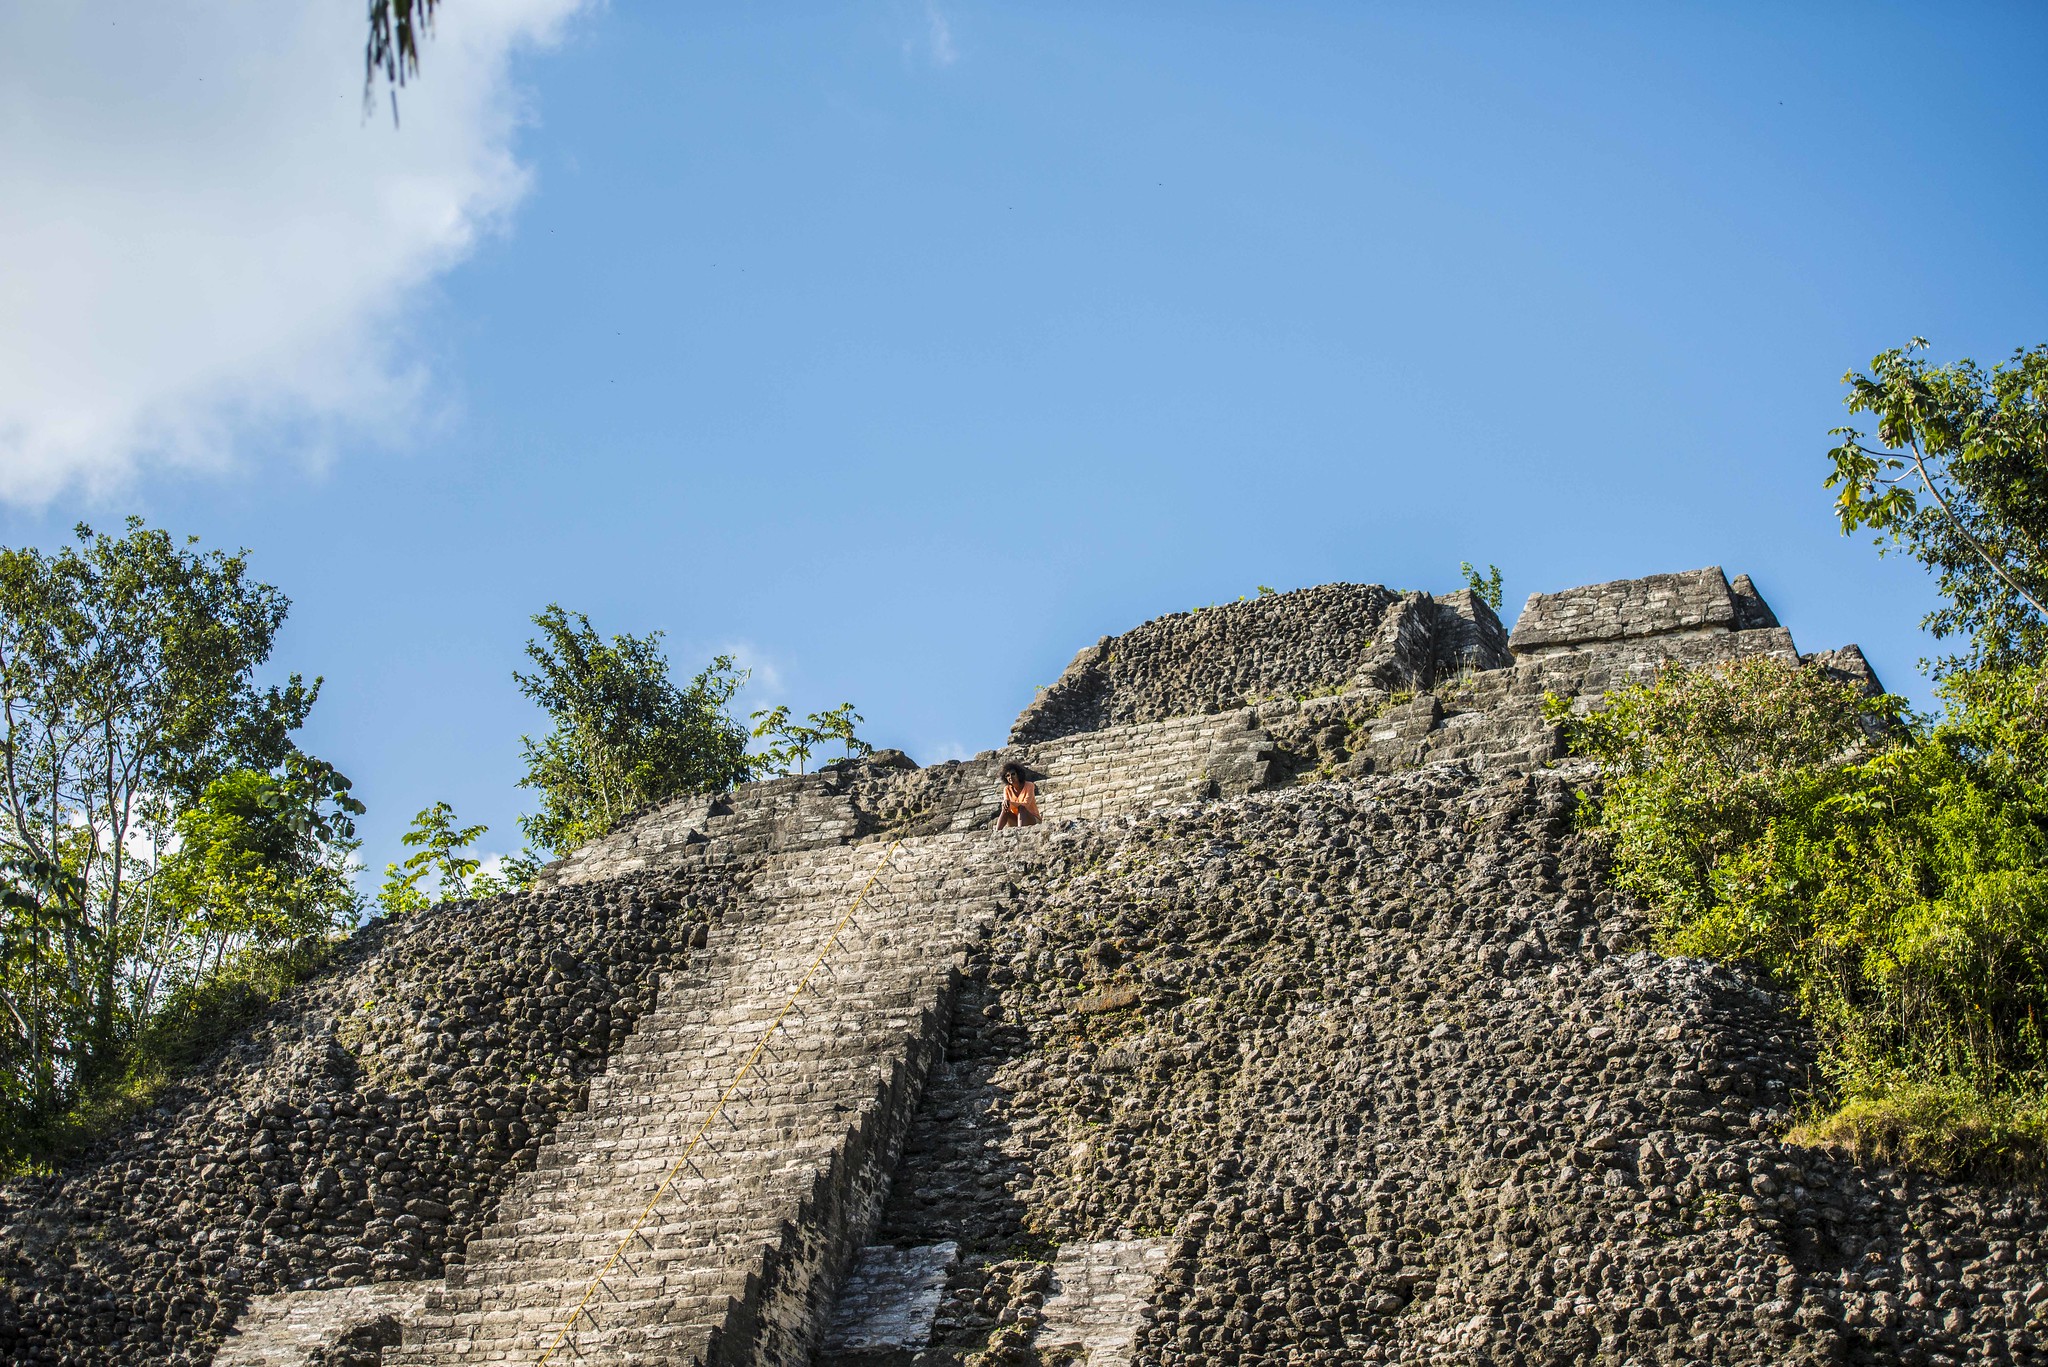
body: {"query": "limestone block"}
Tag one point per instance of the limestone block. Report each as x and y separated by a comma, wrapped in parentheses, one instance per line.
(1694, 601)
(889, 1300)
(1099, 1294)
(1848, 666)
(287, 1329)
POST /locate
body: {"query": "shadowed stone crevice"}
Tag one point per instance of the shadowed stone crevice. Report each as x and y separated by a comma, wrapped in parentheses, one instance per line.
(1307, 1030)
(884, 1312)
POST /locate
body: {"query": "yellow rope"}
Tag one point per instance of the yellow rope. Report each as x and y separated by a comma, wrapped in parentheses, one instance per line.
(831, 941)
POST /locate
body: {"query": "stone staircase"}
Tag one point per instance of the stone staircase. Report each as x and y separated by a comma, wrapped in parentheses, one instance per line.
(739, 1259)
(1085, 777)
(742, 1255)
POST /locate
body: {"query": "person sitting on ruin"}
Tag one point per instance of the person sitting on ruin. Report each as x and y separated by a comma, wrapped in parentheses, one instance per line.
(1020, 797)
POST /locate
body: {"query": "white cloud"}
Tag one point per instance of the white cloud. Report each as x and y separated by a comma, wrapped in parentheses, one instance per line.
(764, 686)
(488, 865)
(204, 243)
(936, 42)
(943, 51)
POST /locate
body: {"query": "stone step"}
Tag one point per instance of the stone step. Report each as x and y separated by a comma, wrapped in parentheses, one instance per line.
(743, 1250)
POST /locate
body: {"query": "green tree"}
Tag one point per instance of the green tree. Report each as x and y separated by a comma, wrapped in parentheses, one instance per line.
(262, 859)
(437, 843)
(839, 724)
(1701, 761)
(127, 687)
(514, 873)
(789, 742)
(1891, 871)
(623, 734)
(1487, 585)
(40, 904)
(1893, 877)
(1959, 480)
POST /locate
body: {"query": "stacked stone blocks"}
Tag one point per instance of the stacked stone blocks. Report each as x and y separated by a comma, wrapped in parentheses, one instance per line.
(742, 1257)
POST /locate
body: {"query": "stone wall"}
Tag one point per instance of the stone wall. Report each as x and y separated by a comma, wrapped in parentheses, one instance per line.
(363, 1133)
(1080, 777)
(1697, 601)
(1306, 1030)
(1494, 719)
(741, 1256)
(1387, 1066)
(1334, 638)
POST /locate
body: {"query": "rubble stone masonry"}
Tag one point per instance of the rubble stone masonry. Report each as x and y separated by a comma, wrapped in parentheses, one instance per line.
(1307, 1029)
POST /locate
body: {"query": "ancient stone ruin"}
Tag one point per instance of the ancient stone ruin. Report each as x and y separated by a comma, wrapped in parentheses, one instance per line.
(1305, 1030)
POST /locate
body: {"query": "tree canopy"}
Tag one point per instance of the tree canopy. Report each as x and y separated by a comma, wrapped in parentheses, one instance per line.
(1958, 480)
(622, 734)
(437, 841)
(1890, 871)
(393, 48)
(155, 815)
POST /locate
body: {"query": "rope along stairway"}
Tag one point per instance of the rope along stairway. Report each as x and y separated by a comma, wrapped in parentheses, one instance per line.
(629, 1244)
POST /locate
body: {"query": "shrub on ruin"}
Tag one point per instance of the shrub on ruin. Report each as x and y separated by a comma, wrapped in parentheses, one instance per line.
(1891, 873)
(621, 734)
(1485, 586)
(438, 843)
(790, 742)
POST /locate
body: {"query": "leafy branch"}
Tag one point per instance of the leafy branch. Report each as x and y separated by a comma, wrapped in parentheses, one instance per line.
(791, 742)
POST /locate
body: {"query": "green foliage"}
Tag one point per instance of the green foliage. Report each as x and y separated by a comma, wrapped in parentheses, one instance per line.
(513, 873)
(196, 1019)
(791, 742)
(1943, 1126)
(1265, 592)
(1975, 447)
(1894, 877)
(1487, 586)
(436, 842)
(264, 858)
(839, 724)
(1700, 762)
(623, 734)
(128, 707)
(200, 1017)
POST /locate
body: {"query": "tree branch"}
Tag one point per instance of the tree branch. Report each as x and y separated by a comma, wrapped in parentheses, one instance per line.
(1920, 464)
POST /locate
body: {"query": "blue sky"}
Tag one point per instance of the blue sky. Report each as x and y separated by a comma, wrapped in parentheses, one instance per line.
(903, 349)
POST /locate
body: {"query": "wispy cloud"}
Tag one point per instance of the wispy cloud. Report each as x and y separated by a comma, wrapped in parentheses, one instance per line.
(764, 686)
(211, 249)
(935, 43)
(943, 51)
(490, 865)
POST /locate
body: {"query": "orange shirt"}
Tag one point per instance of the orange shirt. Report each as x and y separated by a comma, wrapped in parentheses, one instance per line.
(1021, 801)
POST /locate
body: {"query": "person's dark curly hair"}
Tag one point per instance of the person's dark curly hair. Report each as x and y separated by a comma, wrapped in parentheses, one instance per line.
(1017, 770)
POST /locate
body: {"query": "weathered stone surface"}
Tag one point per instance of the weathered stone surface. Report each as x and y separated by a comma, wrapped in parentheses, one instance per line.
(1100, 1292)
(1304, 1031)
(1848, 666)
(1695, 601)
(336, 1327)
(1334, 638)
(1403, 1085)
(887, 1303)
(363, 1133)
(1080, 778)
(1752, 613)
(734, 1256)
